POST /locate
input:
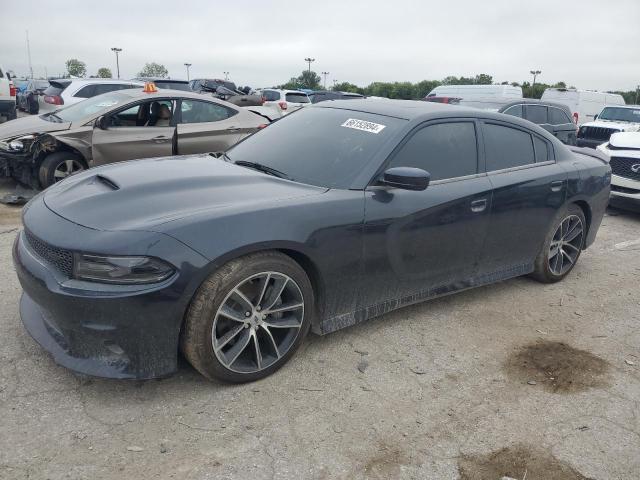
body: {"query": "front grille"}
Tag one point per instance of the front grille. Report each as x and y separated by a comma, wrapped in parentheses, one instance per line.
(57, 257)
(632, 191)
(596, 133)
(626, 167)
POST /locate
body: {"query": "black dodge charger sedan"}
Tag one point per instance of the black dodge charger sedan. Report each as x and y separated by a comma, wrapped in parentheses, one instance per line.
(335, 214)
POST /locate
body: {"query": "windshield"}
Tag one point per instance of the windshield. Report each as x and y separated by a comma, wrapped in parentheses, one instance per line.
(86, 108)
(620, 114)
(173, 85)
(319, 146)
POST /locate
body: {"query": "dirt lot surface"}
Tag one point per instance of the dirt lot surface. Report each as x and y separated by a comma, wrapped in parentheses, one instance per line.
(517, 380)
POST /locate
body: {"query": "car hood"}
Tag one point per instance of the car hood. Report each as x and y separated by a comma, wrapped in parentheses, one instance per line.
(143, 194)
(622, 126)
(27, 125)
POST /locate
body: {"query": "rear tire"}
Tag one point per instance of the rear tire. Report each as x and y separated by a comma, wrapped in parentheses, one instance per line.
(245, 337)
(59, 165)
(562, 246)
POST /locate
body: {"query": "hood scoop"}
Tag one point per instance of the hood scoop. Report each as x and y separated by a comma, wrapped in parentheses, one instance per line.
(107, 181)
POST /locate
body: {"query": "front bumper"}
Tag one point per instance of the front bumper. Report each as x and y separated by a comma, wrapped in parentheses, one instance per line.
(589, 143)
(625, 193)
(108, 331)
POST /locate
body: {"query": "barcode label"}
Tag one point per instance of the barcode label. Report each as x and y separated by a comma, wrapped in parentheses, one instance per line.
(363, 125)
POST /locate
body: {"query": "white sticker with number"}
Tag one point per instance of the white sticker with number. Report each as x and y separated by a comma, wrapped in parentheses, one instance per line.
(363, 125)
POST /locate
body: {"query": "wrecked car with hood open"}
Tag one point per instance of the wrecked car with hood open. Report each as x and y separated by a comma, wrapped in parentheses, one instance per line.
(137, 123)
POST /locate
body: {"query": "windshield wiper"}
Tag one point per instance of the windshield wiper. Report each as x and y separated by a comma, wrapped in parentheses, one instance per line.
(53, 115)
(262, 168)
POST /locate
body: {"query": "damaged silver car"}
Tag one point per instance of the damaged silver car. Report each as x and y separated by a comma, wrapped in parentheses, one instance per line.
(124, 125)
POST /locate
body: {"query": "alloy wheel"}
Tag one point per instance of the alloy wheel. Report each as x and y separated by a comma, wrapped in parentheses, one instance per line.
(566, 245)
(66, 168)
(258, 322)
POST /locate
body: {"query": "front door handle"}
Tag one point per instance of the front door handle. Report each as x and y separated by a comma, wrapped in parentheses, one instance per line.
(478, 206)
(233, 129)
(557, 185)
(160, 139)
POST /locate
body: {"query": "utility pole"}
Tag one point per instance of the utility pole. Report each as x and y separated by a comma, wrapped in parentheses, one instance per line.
(309, 60)
(187, 65)
(535, 73)
(637, 88)
(226, 75)
(334, 83)
(324, 74)
(29, 55)
(117, 50)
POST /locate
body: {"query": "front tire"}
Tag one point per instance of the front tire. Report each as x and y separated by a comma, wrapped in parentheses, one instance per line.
(562, 247)
(248, 318)
(58, 166)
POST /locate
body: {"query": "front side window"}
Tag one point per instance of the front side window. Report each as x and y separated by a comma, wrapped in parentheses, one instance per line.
(558, 117)
(156, 113)
(195, 111)
(445, 150)
(507, 147)
(536, 114)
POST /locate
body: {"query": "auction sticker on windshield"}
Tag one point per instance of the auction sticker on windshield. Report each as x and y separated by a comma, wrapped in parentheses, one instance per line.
(363, 125)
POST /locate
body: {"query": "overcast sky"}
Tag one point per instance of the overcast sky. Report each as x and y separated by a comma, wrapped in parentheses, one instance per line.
(589, 44)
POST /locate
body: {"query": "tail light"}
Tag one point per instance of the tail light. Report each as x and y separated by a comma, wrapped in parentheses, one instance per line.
(54, 99)
(262, 100)
(12, 90)
(282, 105)
(575, 117)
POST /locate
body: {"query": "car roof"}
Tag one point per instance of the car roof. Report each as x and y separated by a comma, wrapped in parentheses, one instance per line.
(623, 106)
(535, 101)
(165, 92)
(92, 80)
(159, 80)
(405, 109)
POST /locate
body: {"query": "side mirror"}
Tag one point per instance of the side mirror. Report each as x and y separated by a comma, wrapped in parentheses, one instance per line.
(102, 122)
(595, 117)
(406, 178)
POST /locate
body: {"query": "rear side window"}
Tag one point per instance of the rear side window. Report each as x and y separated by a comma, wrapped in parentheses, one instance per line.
(87, 91)
(297, 98)
(195, 111)
(542, 149)
(445, 150)
(536, 113)
(507, 147)
(558, 117)
(271, 96)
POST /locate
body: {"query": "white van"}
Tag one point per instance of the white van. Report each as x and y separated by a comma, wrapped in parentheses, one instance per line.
(584, 104)
(486, 97)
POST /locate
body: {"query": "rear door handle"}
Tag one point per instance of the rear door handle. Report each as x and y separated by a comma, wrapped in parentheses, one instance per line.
(160, 139)
(478, 206)
(233, 129)
(557, 185)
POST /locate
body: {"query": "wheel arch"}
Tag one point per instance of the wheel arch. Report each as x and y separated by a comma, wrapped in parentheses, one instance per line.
(588, 215)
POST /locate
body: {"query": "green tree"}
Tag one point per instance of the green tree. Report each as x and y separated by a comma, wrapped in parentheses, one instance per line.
(76, 68)
(309, 79)
(153, 69)
(104, 72)
(348, 87)
(483, 79)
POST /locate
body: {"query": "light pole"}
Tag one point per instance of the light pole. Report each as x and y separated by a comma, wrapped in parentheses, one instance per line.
(309, 60)
(637, 88)
(535, 73)
(334, 83)
(324, 74)
(187, 65)
(226, 75)
(117, 50)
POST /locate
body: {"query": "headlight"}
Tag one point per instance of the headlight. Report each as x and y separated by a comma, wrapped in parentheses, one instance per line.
(17, 144)
(122, 270)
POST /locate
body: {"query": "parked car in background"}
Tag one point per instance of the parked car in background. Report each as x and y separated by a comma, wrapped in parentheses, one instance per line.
(67, 91)
(623, 151)
(285, 101)
(170, 83)
(584, 104)
(325, 219)
(485, 97)
(120, 125)
(553, 117)
(611, 120)
(28, 98)
(8, 93)
(21, 85)
(322, 95)
(210, 85)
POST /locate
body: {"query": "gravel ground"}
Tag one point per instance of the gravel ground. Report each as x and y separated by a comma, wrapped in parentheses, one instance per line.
(516, 379)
